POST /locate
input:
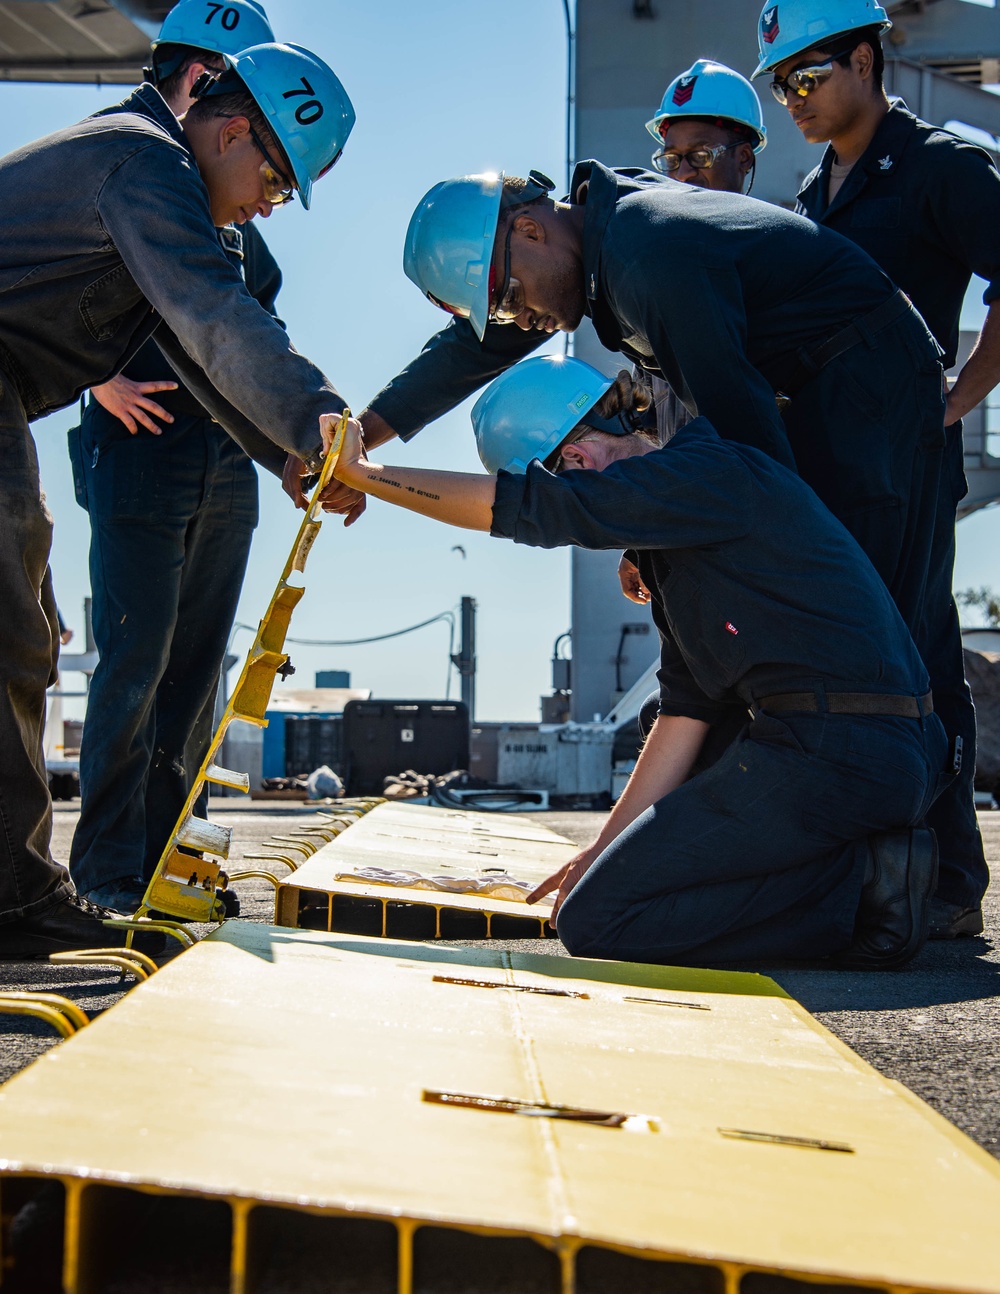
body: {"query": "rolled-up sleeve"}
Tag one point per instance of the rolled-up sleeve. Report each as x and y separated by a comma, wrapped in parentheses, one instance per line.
(679, 693)
(665, 499)
(154, 208)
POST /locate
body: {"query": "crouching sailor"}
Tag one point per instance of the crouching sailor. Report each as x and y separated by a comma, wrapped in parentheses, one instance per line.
(804, 840)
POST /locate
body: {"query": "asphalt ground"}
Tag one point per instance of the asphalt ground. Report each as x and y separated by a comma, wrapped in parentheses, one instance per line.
(932, 1025)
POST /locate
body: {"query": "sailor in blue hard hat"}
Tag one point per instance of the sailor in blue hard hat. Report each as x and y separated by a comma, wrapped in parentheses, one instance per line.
(305, 117)
(118, 217)
(178, 570)
(804, 838)
(925, 205)
(791, 27)
(199, 27)
(512, 430)
(710, 128)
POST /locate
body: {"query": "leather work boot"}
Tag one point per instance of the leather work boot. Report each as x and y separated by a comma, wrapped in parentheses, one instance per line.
(894, 909)
(953, 921)
(72, 924)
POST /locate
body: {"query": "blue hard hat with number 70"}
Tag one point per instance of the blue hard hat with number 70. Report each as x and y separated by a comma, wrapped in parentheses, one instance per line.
(305, 106)
(791, 27)
(528, 411)
(208, 24)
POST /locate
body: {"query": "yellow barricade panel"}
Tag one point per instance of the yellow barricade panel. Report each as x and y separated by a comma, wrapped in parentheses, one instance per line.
(327, 892)
(539, 1123)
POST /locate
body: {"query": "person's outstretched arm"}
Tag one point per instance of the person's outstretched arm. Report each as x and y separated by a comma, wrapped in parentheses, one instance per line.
(458, 498)
(665, 761)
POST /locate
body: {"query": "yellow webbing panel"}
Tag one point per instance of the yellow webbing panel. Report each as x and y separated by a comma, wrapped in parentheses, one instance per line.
(184, 883)
(433, 842)
(409, 1115)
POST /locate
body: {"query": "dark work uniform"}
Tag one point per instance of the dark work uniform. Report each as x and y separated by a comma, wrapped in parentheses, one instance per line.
(926, 206)
(756, 590)
(172, 518)
(106, 237)
(731, 300)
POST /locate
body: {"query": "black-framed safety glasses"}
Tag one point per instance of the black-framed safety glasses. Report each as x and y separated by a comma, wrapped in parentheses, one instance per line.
(278, 189)
(507, 303)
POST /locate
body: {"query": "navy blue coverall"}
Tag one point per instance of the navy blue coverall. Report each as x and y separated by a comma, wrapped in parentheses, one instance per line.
(172, 518)
(757, 591)
(106, 237)
(925, 205)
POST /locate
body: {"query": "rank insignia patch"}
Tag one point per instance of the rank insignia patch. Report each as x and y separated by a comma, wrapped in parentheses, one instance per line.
(769, 25)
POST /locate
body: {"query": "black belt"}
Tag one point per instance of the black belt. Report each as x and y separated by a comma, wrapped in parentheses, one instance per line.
(861, 330)
(873, 703)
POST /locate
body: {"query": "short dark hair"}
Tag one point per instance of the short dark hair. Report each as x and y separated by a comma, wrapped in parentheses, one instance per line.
(844, 45)
(240, 103)
(511, 204)
(188, 55)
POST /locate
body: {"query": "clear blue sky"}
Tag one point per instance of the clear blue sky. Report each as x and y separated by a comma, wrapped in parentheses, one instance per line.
(440, 88)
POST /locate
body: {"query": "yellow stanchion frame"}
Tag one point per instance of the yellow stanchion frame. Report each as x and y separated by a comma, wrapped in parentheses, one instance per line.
(190, 868)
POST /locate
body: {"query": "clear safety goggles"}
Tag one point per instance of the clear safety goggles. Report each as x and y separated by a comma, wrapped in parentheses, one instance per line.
(668, 160)
(277, 189)
(804, 80)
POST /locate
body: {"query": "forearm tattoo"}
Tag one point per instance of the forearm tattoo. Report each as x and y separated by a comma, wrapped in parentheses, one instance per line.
(398, 485)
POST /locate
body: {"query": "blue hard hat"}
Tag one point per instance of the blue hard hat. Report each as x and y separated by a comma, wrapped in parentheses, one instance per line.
(792, 26)
(205, 24)
(528, 411)
(709, 89)
(305, 106)
(449, 242)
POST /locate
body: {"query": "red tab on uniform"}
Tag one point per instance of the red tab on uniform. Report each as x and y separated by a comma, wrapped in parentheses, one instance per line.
(731, 627)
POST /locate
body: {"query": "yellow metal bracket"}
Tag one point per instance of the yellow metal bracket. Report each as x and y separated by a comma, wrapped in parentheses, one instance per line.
(174, 929)
(290, 863)
(130, 961)
(256, 876)
(60, 1012)
(190, 870)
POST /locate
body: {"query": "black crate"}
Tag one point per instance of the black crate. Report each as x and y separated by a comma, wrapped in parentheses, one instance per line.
(383, 738)
(311, 741)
